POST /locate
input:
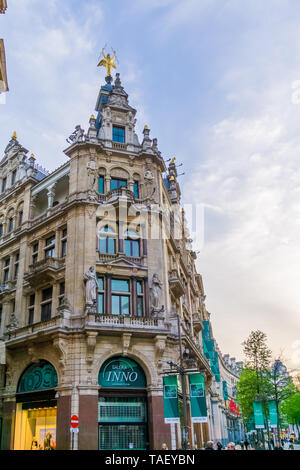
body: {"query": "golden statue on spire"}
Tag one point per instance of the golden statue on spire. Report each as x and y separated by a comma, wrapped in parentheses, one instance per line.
(107, 62)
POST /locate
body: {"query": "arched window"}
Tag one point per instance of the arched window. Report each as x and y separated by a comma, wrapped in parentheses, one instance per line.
(107, 240)
(132, 243)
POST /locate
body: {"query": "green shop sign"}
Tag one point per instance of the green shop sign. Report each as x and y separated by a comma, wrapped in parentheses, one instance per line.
(121, 372)
(198, 399)
(171, 408)
(39, 376)
(258, 415)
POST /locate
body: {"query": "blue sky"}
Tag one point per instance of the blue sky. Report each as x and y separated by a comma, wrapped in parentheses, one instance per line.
(218, 84)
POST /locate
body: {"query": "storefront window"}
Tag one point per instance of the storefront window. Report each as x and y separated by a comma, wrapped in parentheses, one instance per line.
(36, 408)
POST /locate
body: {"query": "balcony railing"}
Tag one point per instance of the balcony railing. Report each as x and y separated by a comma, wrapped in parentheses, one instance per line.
(46, 269)
(175, 284)
(123, 321)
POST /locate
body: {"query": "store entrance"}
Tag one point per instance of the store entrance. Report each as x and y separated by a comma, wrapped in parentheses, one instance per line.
(35, 426)
(122, 408)
(36, 408)
(122, 423)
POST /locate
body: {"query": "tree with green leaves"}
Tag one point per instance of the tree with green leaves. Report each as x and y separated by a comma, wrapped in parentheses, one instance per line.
(291, 409)
(258, 357)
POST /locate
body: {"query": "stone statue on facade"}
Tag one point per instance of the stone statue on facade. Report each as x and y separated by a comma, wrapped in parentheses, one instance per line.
(76, 136)
(13, 323)
(155, 288)
(90, 280)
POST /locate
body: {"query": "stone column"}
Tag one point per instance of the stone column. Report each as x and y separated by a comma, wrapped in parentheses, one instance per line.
(159, 432)
(63, 420)
(107, 184)
(9, 410)
(50, 195)
(88, 418)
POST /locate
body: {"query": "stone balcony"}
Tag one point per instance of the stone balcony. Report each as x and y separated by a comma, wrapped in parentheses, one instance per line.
(175, 284)
(36, 330)
(114, 194)
(197, 322)
(121, 323)
(45, 270)
(8, 287)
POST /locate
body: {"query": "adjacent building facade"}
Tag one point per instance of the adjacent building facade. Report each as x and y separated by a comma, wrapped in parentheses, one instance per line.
(3, 74)
(97, 277)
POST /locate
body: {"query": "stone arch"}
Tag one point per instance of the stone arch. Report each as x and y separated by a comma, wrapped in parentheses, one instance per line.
(118, 172)
(15, 373)
(137, 356)
(42, 364)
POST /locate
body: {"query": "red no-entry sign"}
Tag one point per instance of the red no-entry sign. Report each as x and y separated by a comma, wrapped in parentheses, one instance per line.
(74, 421)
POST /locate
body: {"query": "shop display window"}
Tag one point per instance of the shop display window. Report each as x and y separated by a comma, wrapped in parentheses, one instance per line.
(35, 427)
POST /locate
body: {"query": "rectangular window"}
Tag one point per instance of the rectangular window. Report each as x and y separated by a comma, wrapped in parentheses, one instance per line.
(140, 299)
(64, 243)
(107, 245)
(20, 218)
(119, 285)
(1, 309)
(100, 295)
(17, 259)
(61, 293)
(10, 224)
(120, 304)
(132, 248)
(119, 134)
(136, 189)
(31, 309)
(50, 247)
(35, 250)
(13, 177)
(1, 230)
(46, 304)
(101, 184)
(6, 270)
(117, 183)
(4, 180)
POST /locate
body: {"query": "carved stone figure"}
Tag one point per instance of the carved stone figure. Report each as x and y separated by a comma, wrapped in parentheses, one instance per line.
(148, 175)
(90, 286)
(76, 136)
(156, 286)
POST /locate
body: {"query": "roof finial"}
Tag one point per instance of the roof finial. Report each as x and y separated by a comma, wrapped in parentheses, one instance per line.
(14, 136)
(107, 62)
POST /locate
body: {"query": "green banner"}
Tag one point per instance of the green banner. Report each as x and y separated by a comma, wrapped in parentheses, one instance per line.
(197, 398)
(258, 415)
(171, 409)
(225, 390)
(273, 413)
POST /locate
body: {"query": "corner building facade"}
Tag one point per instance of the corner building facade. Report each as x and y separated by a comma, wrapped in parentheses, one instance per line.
(97, 274)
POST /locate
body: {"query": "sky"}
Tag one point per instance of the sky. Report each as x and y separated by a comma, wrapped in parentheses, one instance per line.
(218, 83)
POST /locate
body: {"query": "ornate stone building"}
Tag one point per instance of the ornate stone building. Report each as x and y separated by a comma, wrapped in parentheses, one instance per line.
(3, 74)
(96, 272)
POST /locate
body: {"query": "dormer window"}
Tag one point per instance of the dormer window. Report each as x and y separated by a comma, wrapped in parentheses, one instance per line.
(119, 134)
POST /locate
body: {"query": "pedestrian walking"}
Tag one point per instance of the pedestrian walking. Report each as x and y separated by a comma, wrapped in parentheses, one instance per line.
(219, 446)
(242, 444)
(247, 444)
(230, 446)
(209, 445)
(278, 446)
(291, 444)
